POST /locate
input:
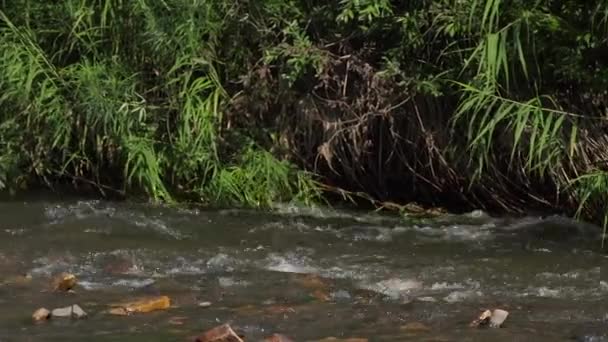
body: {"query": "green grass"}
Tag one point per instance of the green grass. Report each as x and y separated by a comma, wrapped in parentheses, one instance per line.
(121, 96)
(488, 104)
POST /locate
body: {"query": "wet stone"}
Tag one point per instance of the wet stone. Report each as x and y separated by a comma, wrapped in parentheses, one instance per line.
(493, 318)
(64, 282)
(73, 311)
(498, 318)
(41, 314)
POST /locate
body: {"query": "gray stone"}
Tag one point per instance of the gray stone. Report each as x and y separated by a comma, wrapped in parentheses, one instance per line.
(62, 312)
(73, 311)
(498, 318)
(77, 312)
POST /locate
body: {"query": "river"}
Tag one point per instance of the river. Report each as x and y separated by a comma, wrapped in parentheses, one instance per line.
(305, 273)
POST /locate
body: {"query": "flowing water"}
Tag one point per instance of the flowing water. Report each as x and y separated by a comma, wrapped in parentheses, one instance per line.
(308, 274)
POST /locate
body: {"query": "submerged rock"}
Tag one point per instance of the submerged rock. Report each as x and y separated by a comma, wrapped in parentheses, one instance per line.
(591, 338)
(590, 334)
(553, 228)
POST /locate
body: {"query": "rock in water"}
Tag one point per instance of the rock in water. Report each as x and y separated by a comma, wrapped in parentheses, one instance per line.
(41, 314)
(64, 282)
(77, 312)
(62, 312)
(73, 311)
(494, 318)
(482, 319)
(222, 333)
(498, 318)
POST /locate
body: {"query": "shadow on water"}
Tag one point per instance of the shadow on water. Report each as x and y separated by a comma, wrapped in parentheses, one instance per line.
(375, 273)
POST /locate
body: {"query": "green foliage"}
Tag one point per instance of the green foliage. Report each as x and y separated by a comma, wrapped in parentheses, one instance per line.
(544, 136)
(126, 96)
(497, 103)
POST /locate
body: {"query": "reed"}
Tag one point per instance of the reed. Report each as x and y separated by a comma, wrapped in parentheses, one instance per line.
(124, 97)
(492, 104)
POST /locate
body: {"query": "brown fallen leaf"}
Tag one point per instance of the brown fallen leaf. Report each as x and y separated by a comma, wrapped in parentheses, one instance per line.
(64, 282)
(278, 338)
(140, 306)
(41, 314)
(222, 333)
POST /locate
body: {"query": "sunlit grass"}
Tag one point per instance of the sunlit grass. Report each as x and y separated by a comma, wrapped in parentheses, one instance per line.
(122, 96)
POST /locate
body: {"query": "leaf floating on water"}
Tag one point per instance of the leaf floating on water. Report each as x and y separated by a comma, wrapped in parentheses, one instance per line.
(64, 282)
(494, 318)
(41, 314)
(222, 333)
(278, 338)
(140, 306)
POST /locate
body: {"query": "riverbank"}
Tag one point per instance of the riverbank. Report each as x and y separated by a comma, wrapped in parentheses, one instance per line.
(463, 106)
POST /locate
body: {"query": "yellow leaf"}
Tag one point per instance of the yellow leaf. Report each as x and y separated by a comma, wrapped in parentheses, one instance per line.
(141, 306)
